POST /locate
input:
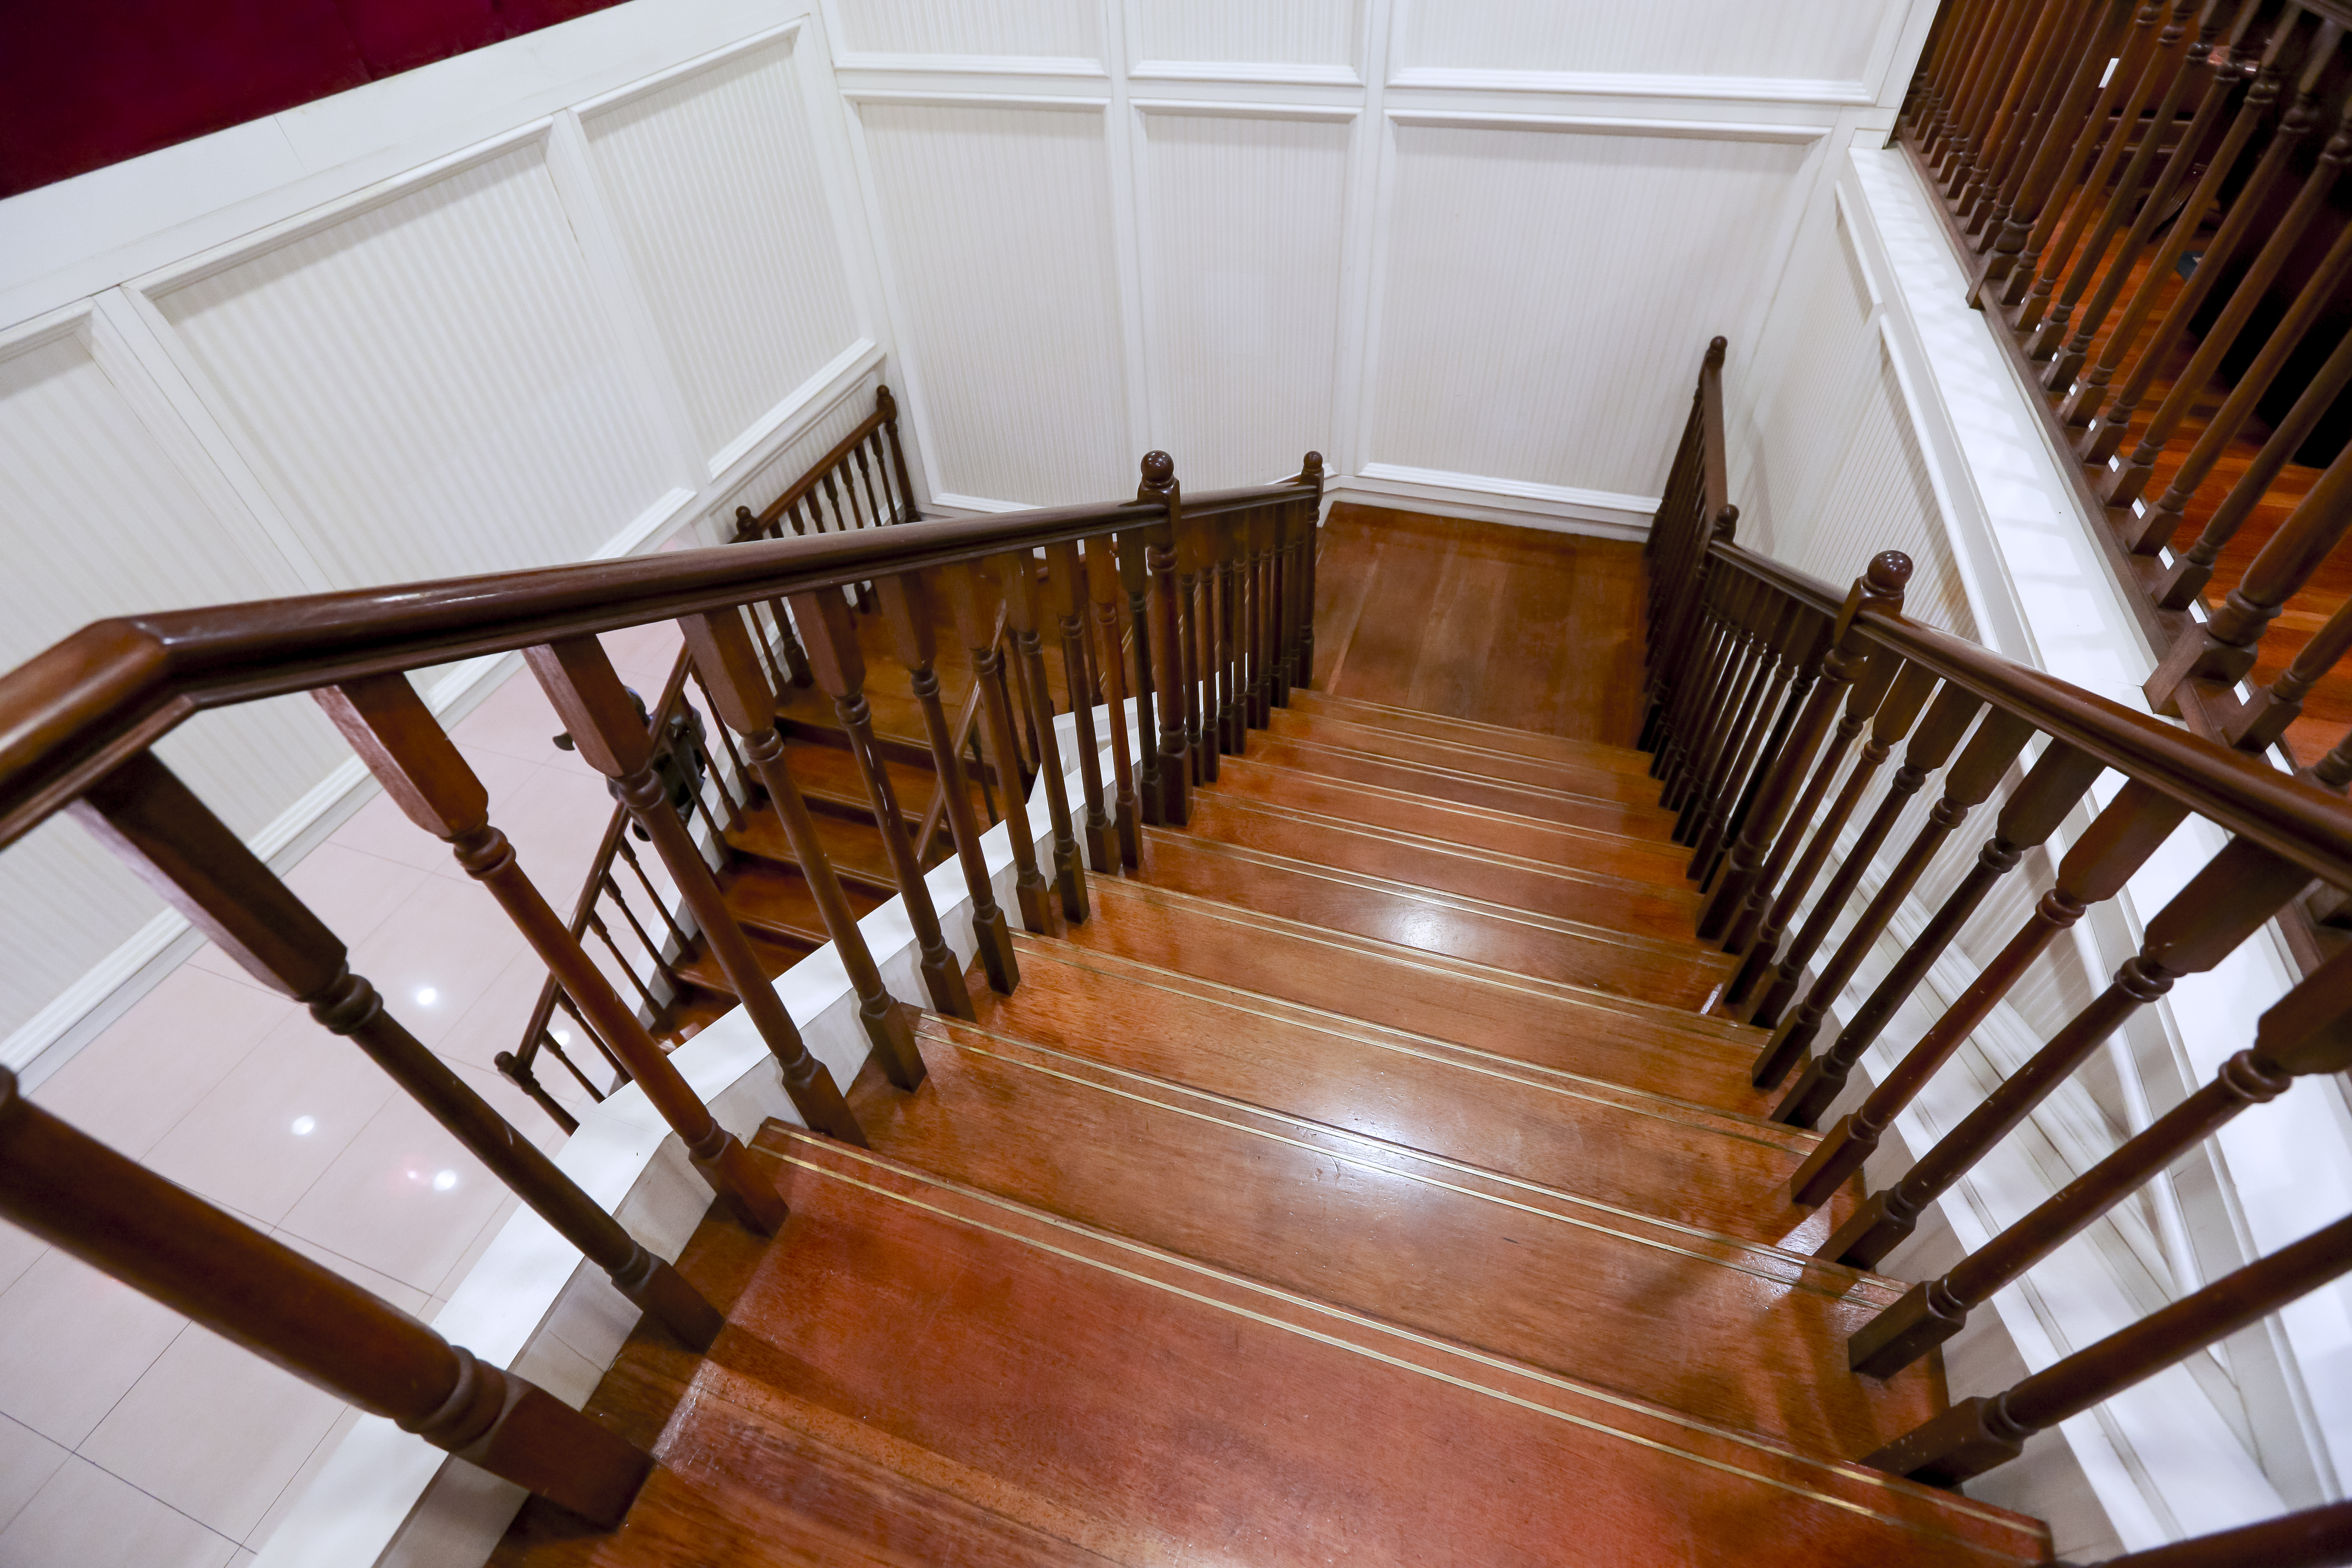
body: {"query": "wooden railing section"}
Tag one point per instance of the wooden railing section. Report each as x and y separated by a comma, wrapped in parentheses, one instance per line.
(2150, 195)
(1217, 591)
(1762, 680)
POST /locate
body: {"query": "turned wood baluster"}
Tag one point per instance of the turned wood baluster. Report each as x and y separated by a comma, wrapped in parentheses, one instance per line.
(2214, 74)
(1103, 596)
(908, 610)
(2125, 484)
(1016, 581)
(1952, 151)
(2033, 813)
(1196, 548)
(2179, 585)
(652, 896)
(429, 779)
(2040, 79)
(2264, 718)
(171, 1246)
(1160, 484)
(620, 1074)
(1775, 620)
(1800, 644)
(2020, 222)
(2223, 904)
(1738, 899)
(1689, 631)
(1232, 711)
(855, 519)
(2106, 435)
(1131, 549)
(1730, 661)
(840, 665)
(2222, 647)
(1066, 591)
(513, 1070)
(1260, 542)
(1311, 520)
(1758, 619)
(796, 670)
(1949, 45)
(1775, 985)
(596, 925)
(973, 604)
(152, 822)
(580, 682)
(1995, 745)
(2148, 61)
(2308, 1031)
(888, 406)
(1931, 746)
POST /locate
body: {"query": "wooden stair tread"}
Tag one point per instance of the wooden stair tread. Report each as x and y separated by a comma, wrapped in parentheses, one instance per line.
(1522, 941)
(1594, 783)
(1368, 1226)
(1643, 909)
(1575, 1133)
(1478, 828)
(1148, 1408)
(1469, 731)
(1650, 822)
(853, 848)
(829, 780)
(777, 900)
(775, 954)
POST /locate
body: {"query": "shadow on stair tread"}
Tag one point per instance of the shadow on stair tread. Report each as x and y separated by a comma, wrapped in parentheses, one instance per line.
(1650, 822)
(1715, 1328)
(1150, 1409)
(1523, 942)
(1618, 785)
(1585, 849)
(1663, 1158)
(1622, 904)
(1311, 703)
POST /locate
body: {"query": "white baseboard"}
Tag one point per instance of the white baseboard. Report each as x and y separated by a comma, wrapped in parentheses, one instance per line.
(1600, 513)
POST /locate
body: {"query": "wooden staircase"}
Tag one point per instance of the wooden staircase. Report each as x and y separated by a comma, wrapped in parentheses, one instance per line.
(1366, 1179)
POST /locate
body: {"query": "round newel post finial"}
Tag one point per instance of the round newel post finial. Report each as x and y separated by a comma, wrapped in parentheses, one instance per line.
(884, 404)
(1716, 347)
(1888, 574)
(1726, 521)
(1312, 467)
(1159, 467)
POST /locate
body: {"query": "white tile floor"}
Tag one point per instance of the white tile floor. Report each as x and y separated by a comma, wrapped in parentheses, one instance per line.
(130, 1436)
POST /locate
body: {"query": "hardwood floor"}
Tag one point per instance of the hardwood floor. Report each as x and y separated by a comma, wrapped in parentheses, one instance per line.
(1365, 1180)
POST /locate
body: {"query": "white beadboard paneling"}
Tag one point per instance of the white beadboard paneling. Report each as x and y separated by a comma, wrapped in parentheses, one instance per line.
(1304, 33)
(1242, 237)
(998, 224)
(712, 182)
(103, 522)
(1824, 41)
(1028, 30)
(1544, 291)
(428, 380)
(792, 460)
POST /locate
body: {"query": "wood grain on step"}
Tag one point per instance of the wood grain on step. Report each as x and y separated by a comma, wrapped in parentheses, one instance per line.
(1152, 1410)
(1634, 787)
(1516, 881)
(1414, 721)
(1651, 822)
(1659, 1157)
(1756, 1338)
(1644, 1045)
(1526, 943)
(854, 848)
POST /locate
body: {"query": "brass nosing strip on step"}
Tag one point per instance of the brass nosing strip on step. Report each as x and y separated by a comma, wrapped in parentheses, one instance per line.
(1471, 852)
(1422, 714)
(1846, 1470)
(1803, 1265)
(1722, 1030)
(1491, 814)
(1790, 1141)
(1443, 771)
(1535, 920)
(1433, 740)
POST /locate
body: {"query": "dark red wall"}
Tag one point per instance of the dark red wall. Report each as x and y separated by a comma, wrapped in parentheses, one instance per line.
(84, 83)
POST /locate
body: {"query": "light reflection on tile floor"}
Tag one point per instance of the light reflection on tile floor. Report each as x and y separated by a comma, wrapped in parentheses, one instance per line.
(127, 1435)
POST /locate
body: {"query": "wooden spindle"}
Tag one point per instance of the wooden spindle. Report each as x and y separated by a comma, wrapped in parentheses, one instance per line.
(1310, 520)
(973, 601)
(156, 825)
(1696, 729)
(1065, 595)
(1737, 903)
(1135, 581)
(1195, 583)
(2054, 48)
(2049, 791)
(1980, 90)
(1798, 656)
(2263, 721)
(727, 740)
(1160, 484)
(605, 935)
(839, 664)
(517, 1072)
(1261, 616)
(579, 680)
(1103, 596)
(2308, 1031)
(887, 407)
(653, 895)
(907, 609)
(572, 1010)
(2065, 139)
(1931, 746)
(1995, 745)
(2223, 904)
(169, 1245)
(1776, 987)
(1016, 579)
(554, 1048)
(387, 723)
(1768, 616)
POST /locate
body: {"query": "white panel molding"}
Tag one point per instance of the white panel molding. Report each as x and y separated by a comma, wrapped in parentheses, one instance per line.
(1558, 509)
(1626, 84)
(1610, 125)
(970, 65)
(1246, 109)
(1245, 71)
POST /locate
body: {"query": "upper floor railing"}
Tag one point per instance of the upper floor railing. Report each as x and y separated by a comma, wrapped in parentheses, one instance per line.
(1762, 681)
(1216, 591)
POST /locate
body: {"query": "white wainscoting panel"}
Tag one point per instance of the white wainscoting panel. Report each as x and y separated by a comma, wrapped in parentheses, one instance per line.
(429, 381)
(1546, 293)
(1751, 45)
(1241, 236)
(967, 31)
(1302, 33)
(712, 181)
(997, 221)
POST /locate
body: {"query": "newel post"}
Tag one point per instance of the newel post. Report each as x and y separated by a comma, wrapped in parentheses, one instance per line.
(1167, 643)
